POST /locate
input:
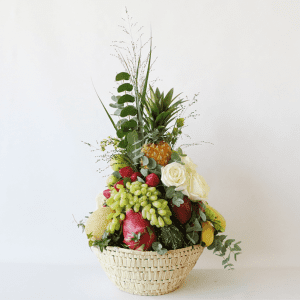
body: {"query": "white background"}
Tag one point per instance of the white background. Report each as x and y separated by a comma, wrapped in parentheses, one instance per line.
(242, 57)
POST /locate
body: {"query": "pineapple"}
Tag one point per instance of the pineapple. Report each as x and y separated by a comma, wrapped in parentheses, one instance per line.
(160, 112)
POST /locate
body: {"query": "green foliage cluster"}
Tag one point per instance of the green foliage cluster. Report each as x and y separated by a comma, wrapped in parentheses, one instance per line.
(221, 247)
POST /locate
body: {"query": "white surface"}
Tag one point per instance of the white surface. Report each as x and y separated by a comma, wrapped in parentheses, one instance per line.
(241, 56)
(30, 281)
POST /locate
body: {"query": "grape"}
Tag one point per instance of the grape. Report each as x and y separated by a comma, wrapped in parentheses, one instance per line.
(143, 198)
(122, 216)
(164, 204)
(147, 207)
(161, 222)
(135, 199)
(162, 212)
(136, 207)
(132, 189)
(167, 220)
(144, 213)
(123, 202)
(110, 201)
(110, 216)
(131, 202)
(144, 191)
(152, 211)
(152, 189)
(117, 196)
(144, 186)
(128, 184)
(153, 198)
(148, 216)
(117, 226)
(138, 192)
(157, 204)
(144, 203)
(149, 194)
(115, 205)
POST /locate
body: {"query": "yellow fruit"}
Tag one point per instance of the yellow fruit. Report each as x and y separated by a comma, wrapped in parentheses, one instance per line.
(97, 222)
(207, 233)
(160, 152)
(218, 217)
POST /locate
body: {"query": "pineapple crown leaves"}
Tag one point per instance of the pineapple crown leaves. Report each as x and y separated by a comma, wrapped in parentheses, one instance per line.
(161, 111)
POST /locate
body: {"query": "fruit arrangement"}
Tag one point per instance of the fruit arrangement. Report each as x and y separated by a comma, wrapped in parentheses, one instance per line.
(155, 199)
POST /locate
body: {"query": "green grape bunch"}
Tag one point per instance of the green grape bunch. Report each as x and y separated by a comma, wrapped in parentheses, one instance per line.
(139, 197)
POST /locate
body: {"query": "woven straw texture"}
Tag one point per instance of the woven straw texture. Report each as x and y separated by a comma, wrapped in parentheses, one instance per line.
(147, 272)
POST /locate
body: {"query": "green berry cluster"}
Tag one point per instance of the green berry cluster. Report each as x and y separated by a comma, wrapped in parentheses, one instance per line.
(139, 197)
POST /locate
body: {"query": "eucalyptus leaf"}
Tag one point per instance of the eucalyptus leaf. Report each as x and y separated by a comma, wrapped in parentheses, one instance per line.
(170, 191)
(125, 98)
(126, 126)
(125, 87)
(118, 112)
(177, 201)
(144, 172)
(145, 160)
(117, 174)
(202, 215)
(120, 133)
(129, 110)
(122, 76)
(152, 163)
(140, 179)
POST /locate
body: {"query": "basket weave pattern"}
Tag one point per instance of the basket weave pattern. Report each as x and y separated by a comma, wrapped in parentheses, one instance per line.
(147, 272)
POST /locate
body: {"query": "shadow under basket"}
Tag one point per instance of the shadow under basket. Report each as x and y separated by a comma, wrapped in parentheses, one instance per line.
(147, 272)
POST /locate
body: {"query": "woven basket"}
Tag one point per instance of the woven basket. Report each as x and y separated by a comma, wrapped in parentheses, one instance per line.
(147, 272)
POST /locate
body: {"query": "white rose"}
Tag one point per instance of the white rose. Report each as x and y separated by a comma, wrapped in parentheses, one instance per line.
(100, 200)
(197, 188)
(189, 165)
(174, 174)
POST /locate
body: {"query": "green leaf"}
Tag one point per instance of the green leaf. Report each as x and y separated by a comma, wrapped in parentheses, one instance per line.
(176, 157)
(196, 227)
(120, 133)
(125, 87)
(122, 76)
(115, 98)
(126, 126)
(117, 174)
(237, 247)
(177, 201)
(229, 242)
(140, 179)
(118, 112)
(225, 261)
(123, 144)
(202, 215)
(129, 110)
(170, 191)
(152, 163)
(110, 118)
(136, 237)
(145, 160)
(116, 105)
(180, 152)
(193, 237)
(157, 246)
(162, 251)
(125, 98)
(144, 172)
(236, 254)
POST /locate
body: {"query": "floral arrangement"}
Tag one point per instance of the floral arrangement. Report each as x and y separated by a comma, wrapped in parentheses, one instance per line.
(155, 199)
